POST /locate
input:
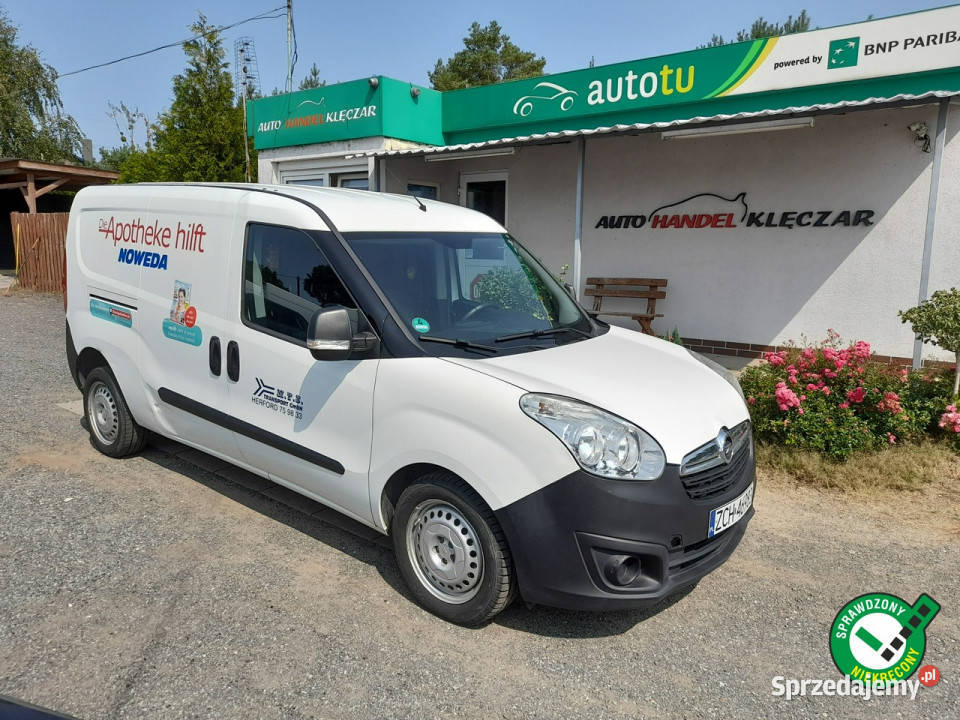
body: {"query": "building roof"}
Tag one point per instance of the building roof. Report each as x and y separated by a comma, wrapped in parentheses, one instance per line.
(15, 172)
(700, 121)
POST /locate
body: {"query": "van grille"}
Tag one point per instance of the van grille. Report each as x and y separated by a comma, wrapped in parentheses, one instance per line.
(716, 481)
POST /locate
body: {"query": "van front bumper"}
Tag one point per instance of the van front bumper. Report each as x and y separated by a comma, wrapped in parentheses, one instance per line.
(568, 538)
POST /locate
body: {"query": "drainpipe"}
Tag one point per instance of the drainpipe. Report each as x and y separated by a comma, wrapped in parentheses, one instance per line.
(578, 234)
(931, 217)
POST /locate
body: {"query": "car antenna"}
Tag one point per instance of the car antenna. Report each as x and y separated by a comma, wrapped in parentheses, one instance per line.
(419, 202)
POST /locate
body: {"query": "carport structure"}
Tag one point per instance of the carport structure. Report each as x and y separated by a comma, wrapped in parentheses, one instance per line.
(35, 179)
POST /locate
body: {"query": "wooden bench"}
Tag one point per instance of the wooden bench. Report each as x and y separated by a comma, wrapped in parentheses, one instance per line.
(649, 289)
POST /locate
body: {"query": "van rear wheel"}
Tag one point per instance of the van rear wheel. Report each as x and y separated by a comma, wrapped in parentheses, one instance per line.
(451, 551)
(113, 430)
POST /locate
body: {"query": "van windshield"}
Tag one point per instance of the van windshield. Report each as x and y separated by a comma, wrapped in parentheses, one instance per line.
(476, 288)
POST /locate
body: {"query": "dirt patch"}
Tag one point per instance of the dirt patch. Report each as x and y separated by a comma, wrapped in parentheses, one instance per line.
(69, 458)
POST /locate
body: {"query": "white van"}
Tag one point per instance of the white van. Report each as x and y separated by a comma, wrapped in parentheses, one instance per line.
(409, 364)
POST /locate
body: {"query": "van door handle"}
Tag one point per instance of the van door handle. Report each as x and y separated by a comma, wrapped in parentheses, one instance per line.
(233, 360)
(215, 357)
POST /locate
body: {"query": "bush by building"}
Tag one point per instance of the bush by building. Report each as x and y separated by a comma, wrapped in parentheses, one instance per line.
(828, 397)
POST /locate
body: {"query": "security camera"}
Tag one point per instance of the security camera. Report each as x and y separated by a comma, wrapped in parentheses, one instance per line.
(921, 135)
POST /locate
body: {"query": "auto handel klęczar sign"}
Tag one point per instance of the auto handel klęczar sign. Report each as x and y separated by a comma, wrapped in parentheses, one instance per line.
(713, 211)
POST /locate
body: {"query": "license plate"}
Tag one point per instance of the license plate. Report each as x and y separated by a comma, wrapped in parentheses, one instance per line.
(726, 516)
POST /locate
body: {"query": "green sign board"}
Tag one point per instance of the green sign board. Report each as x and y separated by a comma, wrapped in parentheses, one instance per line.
(654, 89)
(908, 54)
(361, 108)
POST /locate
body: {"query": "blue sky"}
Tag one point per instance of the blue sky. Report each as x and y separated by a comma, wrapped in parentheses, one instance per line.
(349, 40)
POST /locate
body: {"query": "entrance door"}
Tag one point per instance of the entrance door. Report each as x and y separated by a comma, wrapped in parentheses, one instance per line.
(305, 422)
(485, 192)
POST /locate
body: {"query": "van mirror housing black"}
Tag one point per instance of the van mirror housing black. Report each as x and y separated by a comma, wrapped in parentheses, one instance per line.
(334, 334)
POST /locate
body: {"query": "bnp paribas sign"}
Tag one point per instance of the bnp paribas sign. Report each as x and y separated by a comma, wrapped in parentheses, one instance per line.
(895, 46)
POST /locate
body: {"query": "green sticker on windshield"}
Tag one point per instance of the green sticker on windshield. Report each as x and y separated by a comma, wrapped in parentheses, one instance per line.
(420, 325)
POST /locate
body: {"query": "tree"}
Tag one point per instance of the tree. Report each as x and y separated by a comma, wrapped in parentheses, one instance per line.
(200, 138)
(764, 29)
(488, 57)
(32, 122)
(937, 320)
(114, 158)
(312, 80)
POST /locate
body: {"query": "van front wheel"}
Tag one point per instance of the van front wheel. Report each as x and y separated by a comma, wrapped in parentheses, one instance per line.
(113, 430)
(451, 550)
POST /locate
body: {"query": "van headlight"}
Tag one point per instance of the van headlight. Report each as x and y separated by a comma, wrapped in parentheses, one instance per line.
(721, 371)
(600, 442)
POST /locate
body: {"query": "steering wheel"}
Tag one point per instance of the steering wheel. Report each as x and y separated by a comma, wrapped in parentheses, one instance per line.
(478, 308)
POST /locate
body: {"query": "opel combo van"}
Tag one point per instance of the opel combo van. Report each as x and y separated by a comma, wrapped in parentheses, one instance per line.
(411, 365)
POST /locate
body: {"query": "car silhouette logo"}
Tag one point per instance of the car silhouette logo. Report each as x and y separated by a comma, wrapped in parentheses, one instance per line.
(725, 445)
(551, 92)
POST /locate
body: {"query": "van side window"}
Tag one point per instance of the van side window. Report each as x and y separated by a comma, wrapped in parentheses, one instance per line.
(286, 278)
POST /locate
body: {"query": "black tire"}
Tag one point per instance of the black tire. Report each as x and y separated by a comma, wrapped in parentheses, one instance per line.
(113, 431)
(496, 586)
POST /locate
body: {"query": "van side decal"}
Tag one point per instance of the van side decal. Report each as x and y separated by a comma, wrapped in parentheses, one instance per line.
(111, 313)
(248, 430)
(181, 325)
(114, 302)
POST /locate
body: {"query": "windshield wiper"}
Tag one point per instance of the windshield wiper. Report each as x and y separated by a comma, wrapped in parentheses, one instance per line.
(542, 333)
(457, 342)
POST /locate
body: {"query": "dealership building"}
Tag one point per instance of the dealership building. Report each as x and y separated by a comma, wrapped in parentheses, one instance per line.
(782, 186)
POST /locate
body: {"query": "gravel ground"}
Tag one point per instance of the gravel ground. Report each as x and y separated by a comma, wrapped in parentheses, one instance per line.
(169, 585)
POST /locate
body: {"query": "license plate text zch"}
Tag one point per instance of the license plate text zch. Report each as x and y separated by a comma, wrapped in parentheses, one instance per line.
(726, 516)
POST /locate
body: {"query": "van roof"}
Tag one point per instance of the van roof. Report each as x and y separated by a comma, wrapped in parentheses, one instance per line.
(362, 210)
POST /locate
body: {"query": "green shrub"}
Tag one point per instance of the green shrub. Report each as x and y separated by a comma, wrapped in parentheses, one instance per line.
(937, 320)
(829, 398)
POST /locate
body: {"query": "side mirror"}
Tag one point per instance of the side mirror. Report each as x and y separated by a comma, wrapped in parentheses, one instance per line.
(333, 335)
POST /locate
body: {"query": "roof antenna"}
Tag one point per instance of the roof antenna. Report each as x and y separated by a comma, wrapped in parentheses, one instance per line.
(419, 202)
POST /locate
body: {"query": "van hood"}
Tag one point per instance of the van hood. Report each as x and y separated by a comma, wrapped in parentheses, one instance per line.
(654, 384)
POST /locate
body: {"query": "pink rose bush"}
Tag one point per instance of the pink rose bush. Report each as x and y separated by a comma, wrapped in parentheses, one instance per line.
(850, 404)
(950, 420)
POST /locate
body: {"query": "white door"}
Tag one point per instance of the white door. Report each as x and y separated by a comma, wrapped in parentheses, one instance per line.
(485, 192)
(184, 317)
(307, 423)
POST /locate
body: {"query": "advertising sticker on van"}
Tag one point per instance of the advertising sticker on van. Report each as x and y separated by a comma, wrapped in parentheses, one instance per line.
(111, 313)
(187, 236)
(181, 325)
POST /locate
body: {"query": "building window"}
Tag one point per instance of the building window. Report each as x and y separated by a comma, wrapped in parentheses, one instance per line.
(428, 191)
(316, 182)
(356, 181)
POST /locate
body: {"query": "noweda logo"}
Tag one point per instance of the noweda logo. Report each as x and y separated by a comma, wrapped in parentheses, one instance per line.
(186, 237)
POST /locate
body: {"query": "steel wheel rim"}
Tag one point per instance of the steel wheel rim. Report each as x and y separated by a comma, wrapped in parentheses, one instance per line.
(102, 413)
(445, 551)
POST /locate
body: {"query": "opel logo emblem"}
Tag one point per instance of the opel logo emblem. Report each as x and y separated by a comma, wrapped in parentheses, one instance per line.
(725, 445)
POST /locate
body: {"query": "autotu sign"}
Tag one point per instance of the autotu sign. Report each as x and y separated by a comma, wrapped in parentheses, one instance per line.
(911, 43)
(713, 211)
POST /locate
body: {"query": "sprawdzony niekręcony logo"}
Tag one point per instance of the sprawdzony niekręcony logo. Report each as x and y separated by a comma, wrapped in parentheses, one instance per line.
(879, 638)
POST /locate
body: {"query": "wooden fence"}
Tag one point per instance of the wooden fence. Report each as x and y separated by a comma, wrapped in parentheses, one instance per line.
(39, 243)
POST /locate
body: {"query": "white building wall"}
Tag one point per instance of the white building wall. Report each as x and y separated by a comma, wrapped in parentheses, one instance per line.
(341, 156)
(945, 256)
(766, 286)
(541, 193)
